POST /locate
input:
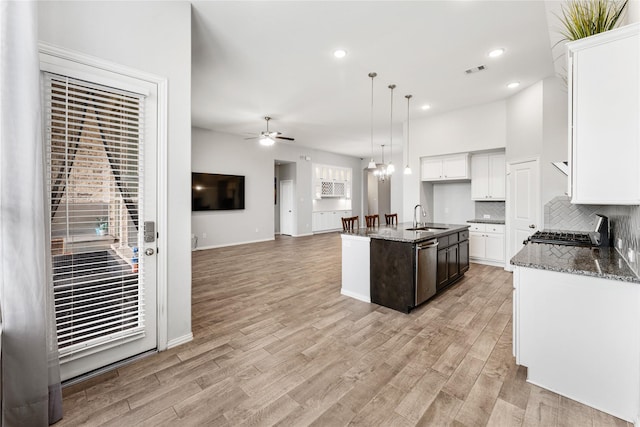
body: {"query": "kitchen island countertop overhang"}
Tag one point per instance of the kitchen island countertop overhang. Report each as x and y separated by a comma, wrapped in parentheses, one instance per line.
(402, 232)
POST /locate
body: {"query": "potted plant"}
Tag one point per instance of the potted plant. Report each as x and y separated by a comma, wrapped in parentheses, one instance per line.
(584, 18)
(102, 226)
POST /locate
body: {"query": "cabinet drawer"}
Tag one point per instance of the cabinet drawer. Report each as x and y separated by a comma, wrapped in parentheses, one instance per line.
(453, 238)
(495, 228)
(463, 235)
(443, 242)
(475, 226)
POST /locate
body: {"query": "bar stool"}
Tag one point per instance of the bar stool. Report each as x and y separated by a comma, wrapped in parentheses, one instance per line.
(349, 223)
(371, 220)
(391, 219)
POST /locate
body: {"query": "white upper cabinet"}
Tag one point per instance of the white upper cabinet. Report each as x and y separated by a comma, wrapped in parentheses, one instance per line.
(488, 176)
(604, 117)
(444, 168)
(331, 181)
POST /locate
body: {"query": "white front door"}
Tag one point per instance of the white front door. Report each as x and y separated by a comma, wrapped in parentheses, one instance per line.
(101, 138)
(286, 207)
(523, 203)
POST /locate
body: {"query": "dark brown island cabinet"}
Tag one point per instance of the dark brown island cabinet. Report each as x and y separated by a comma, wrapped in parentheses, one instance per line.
(393, 268)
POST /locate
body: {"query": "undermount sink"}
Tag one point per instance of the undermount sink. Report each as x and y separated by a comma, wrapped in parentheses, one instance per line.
(426, 229)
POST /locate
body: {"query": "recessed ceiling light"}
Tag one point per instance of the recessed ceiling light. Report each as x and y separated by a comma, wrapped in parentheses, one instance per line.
(426, 106)
(339, 53)
(496, 52)
(513, 85)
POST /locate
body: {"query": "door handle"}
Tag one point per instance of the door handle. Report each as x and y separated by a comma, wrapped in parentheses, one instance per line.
(532, 226)
(149, 251)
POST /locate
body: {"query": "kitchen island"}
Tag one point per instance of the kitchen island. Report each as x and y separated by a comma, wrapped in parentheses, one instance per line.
(400, 267)
(576, 325)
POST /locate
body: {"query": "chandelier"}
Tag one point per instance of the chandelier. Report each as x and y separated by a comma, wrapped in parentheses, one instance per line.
(382, 171)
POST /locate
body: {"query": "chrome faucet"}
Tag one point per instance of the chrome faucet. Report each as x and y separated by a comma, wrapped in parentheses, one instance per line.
(415, 220)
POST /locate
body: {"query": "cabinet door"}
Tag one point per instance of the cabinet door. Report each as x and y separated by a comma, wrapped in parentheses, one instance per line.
(463, 253)
(443, 268)
(431, 169)
(336, 220)
(479, 176)
(494, 244)
(315, 221)
(453, 262)
(455, 167)
(604, 89)
(497, 177)
(476, 245)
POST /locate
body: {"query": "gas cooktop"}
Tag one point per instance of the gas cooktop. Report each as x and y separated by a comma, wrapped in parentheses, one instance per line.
(562, 238)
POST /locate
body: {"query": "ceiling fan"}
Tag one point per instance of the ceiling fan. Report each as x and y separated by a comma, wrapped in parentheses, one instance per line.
(268, 138)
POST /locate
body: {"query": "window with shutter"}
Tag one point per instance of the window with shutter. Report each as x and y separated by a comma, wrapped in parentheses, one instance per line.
(94, 164)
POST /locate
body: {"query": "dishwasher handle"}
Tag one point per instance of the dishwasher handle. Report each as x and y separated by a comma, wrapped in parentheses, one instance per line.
(431, 244)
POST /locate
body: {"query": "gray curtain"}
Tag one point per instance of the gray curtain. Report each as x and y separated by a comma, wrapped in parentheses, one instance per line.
(31, 393)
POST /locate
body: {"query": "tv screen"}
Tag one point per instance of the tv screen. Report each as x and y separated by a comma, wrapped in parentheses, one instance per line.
(216, 192)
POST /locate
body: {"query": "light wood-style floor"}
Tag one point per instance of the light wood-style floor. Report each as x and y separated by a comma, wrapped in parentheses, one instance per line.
(276, 344)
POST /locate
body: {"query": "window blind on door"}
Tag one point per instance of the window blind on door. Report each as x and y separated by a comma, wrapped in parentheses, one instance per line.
(94, 140)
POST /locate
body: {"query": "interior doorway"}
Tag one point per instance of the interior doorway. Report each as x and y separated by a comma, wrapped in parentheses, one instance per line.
(283, 171)
(378, 193)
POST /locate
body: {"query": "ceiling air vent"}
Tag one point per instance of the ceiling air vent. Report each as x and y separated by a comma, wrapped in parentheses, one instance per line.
(475, 69)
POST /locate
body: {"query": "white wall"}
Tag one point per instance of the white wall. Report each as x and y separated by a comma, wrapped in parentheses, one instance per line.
(537, 127)
(524, 123)
(155, 39)
(215, 152)
(482, 127)
(452, 203)
(555, 137)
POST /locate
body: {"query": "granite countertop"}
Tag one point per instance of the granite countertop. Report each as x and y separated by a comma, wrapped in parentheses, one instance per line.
(605, 263)
(399, 233)
(487, 221)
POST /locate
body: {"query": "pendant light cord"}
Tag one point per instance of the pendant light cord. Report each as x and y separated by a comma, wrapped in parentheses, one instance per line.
(408, 170)
(372, 75)
(392, 87)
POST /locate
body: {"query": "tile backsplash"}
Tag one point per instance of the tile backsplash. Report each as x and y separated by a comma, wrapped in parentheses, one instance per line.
(561, 214)
(494, 209)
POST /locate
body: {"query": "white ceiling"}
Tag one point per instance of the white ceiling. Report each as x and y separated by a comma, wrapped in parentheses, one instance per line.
(251, 59)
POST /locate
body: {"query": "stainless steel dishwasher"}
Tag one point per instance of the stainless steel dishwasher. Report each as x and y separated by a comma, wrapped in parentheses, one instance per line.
(426, 270)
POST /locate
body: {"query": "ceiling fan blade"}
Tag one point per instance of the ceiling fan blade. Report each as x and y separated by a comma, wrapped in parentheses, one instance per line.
(253, 137)
(284, 137)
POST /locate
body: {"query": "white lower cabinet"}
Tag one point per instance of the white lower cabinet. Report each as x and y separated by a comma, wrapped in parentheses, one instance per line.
(328, 220)
(486, 243)
(579, 336)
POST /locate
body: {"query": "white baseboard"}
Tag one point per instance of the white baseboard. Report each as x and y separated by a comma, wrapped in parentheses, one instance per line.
(355, 295)
(487, 262)
(180, 340)
(224, 245)
(303, 235)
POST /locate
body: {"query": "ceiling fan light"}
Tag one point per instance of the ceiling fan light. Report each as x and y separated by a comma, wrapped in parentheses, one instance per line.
(267, 141)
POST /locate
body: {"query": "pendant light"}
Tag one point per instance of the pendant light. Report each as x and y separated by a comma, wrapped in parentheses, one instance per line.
(390, 168)
(372, 163)
(407, 169)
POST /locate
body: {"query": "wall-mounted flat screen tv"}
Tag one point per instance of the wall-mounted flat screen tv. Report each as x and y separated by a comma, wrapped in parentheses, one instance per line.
(216, 192)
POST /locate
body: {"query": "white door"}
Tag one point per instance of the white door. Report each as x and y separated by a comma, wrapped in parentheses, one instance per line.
(523, 204)
(101, 166)
(286, 207)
